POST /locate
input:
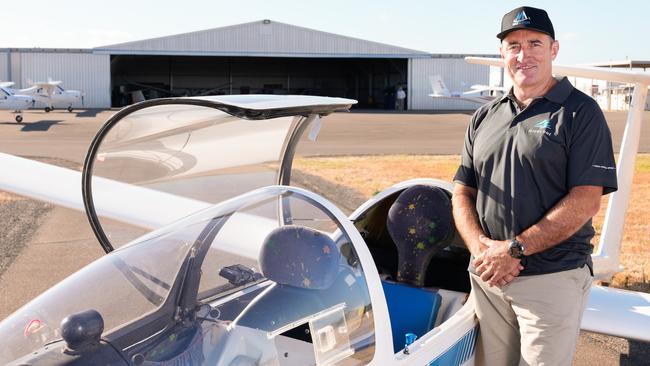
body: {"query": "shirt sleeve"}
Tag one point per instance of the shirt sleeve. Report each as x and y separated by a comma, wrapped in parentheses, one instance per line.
(465, 174)
(591, 156)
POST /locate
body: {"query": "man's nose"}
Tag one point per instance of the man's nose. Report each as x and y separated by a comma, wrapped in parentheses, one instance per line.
(523, 52)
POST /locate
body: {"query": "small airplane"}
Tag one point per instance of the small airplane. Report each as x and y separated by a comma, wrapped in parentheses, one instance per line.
(51, 93)
(215, 256)
(15, 102)
(480, 94)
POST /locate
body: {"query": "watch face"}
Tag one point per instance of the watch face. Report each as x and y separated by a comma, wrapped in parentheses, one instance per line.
(516, 250)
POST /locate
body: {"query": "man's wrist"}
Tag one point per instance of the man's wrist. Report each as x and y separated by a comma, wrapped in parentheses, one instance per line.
(516, 249)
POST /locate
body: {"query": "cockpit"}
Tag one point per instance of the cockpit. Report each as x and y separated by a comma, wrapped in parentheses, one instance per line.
(217, 260)
(270, 277)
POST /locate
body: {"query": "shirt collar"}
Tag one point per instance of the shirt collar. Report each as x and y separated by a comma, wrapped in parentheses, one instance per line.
(558, 93)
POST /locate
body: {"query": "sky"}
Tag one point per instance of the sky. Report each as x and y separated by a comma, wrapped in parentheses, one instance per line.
(588, 31)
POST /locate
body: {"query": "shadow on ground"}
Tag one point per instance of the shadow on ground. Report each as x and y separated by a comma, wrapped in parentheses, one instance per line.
(90, 112)
(39, 126)
(639, 354)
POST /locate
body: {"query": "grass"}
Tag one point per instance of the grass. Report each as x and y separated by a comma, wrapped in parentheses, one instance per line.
(6, 197)
(369, 175)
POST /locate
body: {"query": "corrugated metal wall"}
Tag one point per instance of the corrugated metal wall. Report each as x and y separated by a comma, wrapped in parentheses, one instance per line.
(457, 74)
(274, 39)
(14, 68)
(78, 71)
(4, 66)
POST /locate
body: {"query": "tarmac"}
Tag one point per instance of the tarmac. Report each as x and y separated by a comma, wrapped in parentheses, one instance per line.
(41, 244)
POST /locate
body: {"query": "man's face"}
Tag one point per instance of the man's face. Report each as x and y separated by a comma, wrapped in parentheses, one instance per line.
(528, 56)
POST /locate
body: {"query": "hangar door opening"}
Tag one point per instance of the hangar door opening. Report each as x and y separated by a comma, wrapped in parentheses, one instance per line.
(373, 82)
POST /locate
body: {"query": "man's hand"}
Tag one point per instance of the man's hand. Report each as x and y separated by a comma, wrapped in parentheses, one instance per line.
(495, 265)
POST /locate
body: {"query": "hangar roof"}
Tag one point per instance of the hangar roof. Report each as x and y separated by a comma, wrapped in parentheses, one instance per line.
(631, 64)
(261, 38)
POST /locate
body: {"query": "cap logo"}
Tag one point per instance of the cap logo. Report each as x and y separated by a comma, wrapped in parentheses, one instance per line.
(521, 18)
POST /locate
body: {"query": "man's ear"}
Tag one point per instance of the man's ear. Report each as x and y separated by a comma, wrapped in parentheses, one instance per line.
(555, 48)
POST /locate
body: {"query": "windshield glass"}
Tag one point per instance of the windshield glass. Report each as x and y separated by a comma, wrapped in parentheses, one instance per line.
(275, 277)
(282, 276)
(123, 286)
(187, 150)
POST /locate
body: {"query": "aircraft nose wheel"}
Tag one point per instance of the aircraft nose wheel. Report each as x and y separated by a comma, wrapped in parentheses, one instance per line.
(70, 109)
(19, 119)
(47, 109)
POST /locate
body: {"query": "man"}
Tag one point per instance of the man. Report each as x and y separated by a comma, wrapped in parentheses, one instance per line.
(533, 169)
(401, 96)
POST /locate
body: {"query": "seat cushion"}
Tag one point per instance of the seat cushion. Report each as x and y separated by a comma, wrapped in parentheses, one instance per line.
(411, 309)
(300, 256)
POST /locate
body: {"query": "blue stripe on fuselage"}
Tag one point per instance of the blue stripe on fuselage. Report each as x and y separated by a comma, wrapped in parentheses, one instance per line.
(460, 352)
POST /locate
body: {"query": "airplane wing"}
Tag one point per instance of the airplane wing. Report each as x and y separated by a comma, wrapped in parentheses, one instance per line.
(480, 88)
(617, 312)
(477, 88)
(7, 84)
(48, 83)
(147, 214)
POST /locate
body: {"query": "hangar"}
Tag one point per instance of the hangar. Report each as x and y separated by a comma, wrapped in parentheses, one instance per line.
(257, 57)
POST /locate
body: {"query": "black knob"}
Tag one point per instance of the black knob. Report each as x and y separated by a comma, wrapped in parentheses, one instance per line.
(82, 329)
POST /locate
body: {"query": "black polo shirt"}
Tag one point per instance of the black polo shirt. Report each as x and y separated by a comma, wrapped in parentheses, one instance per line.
(522, 162)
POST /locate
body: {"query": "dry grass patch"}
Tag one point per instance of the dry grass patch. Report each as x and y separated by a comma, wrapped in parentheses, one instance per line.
(371, 174)
(7, 197)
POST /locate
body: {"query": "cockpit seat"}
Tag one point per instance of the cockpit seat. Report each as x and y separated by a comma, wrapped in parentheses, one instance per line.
(303, 263)
(420, 224)
(300, 257)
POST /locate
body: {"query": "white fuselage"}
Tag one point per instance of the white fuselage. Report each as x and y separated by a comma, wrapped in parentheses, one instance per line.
(15, 102)
(54, 96)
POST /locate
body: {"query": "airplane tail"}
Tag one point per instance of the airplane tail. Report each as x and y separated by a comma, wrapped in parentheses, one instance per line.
(438, 86)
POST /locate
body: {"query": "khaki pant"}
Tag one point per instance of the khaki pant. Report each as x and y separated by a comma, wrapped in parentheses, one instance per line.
(534, 320)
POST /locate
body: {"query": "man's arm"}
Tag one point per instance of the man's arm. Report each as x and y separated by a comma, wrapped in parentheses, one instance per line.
(559, 223)
(463, 204)
(563, 220)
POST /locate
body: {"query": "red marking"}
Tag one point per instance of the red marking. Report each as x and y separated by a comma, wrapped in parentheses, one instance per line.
(32, 327)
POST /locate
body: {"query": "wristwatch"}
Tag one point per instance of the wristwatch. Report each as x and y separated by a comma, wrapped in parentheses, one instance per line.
(516, 249)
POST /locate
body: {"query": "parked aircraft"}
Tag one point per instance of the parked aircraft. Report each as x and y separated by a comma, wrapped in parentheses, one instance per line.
(51, 93)
(480, 94)
(14, 102)
(228, 263)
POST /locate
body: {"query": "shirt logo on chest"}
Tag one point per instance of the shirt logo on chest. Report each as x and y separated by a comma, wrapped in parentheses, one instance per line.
(542, 127)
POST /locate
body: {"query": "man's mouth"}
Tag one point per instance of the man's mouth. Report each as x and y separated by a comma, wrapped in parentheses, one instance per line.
(525, 67)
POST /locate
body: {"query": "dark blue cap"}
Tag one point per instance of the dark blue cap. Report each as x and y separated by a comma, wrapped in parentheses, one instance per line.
(526, 17)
